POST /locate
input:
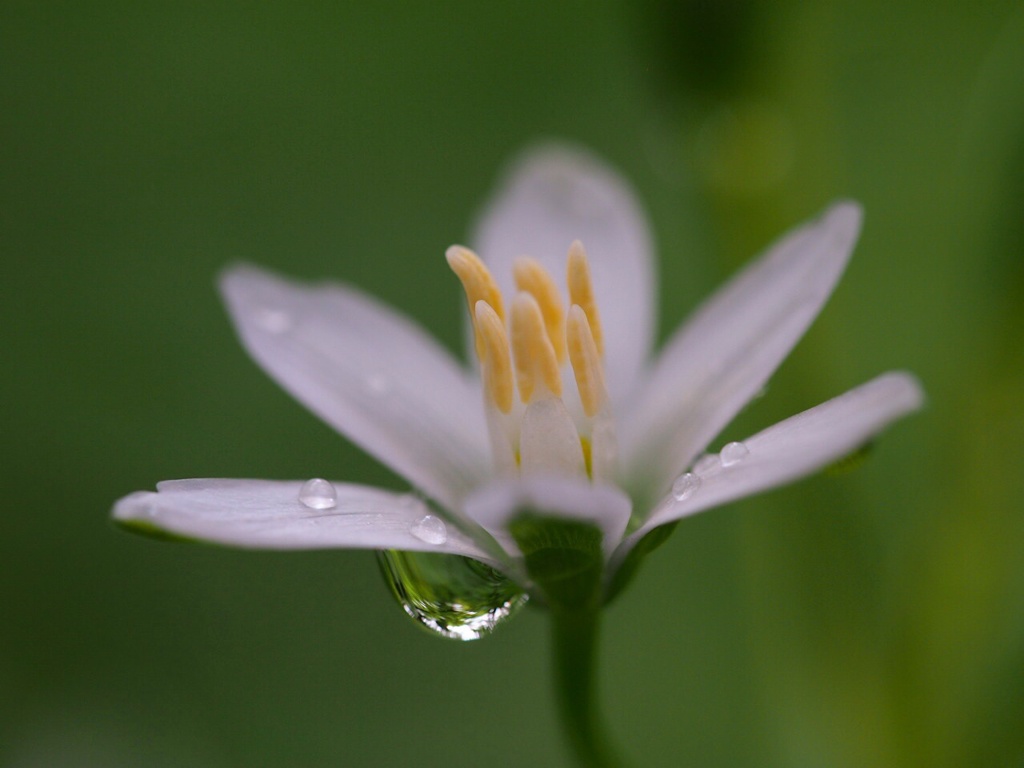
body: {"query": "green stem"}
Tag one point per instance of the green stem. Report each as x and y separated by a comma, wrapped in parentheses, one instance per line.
(575, 657)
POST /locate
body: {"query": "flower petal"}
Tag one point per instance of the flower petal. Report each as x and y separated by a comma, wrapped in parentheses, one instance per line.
(267, 514)
(727, 351)
(493, 506)
(553, 195)
(370, 373)
(798, 446)
(549, 442)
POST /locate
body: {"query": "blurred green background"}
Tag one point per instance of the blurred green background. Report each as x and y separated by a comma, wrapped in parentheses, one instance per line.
(870, 619)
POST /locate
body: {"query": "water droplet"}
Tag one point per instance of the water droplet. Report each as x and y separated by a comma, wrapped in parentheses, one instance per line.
(455, 597)
(378, 384)
(733, 453)
(318, 494)
(275, 321)
(430, 529)
(706, 463)
(685, 486)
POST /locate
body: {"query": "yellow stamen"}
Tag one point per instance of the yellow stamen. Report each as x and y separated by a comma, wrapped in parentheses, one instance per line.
(532, 278)
(581, 291)
(477, 282)
(535, 358)
(586, 361)
(496, 357)
(588, 456)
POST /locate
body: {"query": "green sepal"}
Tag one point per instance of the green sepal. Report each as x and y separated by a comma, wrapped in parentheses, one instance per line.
(564, 558)
(151, 531)
(629, 567)
(851, 461)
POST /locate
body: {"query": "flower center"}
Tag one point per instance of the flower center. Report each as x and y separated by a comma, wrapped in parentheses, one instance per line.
(526, 351)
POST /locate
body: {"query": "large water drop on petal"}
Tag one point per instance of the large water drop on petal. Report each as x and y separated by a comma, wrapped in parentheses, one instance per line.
(733, 453)
(430, 529)
(456, 597)
(318, 494)
(685, 486)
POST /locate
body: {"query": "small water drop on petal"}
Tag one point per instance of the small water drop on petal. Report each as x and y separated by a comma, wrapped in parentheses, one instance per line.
(733, 453)
(318, 494)
(430, 529)
(685, 486)
(705, 463)
(275, 321)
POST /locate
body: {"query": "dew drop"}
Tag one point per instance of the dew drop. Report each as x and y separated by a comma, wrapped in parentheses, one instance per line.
(452, 596)
(318, 494)
(705, 463)
(275, 321)
(430, 529)
(685, 486)
(733, 453)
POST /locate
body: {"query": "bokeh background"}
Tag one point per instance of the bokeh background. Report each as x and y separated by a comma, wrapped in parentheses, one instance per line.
(874, 618)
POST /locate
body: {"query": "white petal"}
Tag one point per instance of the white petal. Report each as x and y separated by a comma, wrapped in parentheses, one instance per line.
(495, 505)
(798, 446)
(549, 442)
(727, 351)
(553, 195)
(267, 514)
(370, 373)
(604, 448)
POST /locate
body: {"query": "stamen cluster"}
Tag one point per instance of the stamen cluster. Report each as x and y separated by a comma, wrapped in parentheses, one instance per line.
(533, 348)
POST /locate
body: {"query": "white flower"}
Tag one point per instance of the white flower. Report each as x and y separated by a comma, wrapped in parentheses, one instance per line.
(566, 414)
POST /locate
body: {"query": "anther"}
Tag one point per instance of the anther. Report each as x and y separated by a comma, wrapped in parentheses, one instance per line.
(581, 291)
(476, 278)
(535, 360)
(477, 282)
(532, 278)
(586, 361)
(495, 357)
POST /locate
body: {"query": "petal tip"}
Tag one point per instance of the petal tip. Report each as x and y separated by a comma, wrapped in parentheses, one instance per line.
(132, 507)
(844, 218)
(566, 176)
(551, 154)
(238, 279)
(906, 389)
